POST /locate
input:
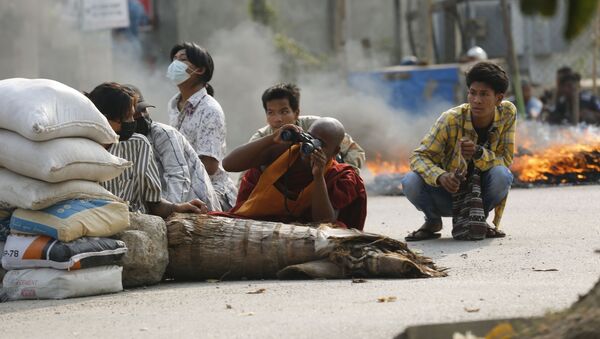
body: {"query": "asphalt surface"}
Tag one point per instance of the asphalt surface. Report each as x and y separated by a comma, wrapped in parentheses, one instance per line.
(544, 263)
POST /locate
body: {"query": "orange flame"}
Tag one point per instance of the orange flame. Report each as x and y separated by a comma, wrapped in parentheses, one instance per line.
(558, 160)
(380, 166)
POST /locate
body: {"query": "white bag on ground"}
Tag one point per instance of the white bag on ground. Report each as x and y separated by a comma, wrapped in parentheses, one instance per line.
(24, 192)
(48, 283)
(41, 109)
(59, 159)
(41, 251)
(73, 219)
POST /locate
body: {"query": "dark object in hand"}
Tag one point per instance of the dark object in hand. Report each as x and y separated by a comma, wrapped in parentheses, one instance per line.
(308, 143)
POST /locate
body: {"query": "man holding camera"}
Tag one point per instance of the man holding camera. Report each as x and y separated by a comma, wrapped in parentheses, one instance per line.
(292, 176)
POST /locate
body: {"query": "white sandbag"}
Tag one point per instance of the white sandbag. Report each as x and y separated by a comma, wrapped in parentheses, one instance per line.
(41, 109)
(59, 159)
(21, 252)
(32, 194)
(73, 219)
(48, 283)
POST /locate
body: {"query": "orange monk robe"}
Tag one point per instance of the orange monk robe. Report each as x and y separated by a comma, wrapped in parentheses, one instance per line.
(345, 188)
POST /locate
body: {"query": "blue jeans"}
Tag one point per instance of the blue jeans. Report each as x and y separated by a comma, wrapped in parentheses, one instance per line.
(436, 202)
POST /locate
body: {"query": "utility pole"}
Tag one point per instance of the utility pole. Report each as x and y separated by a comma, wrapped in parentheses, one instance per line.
(338, 13)
(513, 63)
(398, 52)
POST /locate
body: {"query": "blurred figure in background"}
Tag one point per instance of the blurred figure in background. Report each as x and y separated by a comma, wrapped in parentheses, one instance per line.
(569, 98)
(533, 105)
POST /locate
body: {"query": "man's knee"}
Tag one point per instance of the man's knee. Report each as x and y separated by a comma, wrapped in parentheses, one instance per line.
(412, 185)
(499, 181)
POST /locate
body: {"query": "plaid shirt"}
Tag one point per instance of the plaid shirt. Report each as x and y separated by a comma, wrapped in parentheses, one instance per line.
(439, 153)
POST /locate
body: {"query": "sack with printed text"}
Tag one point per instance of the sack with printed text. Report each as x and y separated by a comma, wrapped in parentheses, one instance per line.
(40, 251)
(73, 219)
(48, 283)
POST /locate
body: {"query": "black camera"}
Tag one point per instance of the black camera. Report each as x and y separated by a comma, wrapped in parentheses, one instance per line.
(308, 143)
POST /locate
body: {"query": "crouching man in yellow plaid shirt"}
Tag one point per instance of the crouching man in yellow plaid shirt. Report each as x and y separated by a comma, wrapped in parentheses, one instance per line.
(480, 134)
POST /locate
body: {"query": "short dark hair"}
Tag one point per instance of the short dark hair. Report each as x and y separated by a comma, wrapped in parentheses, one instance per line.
(564, 70)
(489, 73)
(287, 91)
(569, 77)
(113, 100)
(199, 57)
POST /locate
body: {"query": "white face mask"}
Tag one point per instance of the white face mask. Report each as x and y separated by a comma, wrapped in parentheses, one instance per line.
(177, 72)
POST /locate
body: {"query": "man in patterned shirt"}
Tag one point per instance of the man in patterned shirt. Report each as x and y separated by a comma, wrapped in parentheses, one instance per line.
(461, 133)
(139, 185)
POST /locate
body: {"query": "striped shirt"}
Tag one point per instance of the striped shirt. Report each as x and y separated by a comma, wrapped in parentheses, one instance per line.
(140, 183)
(439, 153)
(182, 174)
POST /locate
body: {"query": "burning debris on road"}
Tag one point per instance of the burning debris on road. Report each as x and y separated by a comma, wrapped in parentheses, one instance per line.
(546, 155)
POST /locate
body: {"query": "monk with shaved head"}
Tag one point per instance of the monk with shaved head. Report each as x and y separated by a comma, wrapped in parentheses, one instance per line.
(292, 176)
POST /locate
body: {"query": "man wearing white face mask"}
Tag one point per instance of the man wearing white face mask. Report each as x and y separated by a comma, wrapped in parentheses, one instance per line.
(198, 116)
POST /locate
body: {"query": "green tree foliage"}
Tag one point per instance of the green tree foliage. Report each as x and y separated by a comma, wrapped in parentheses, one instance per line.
(579, 13)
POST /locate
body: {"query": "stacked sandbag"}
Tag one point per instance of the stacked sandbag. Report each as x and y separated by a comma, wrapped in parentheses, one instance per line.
(61, 218)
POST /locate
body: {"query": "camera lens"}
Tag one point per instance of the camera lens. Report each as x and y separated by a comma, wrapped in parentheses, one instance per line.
(287, 135)
(307, 148)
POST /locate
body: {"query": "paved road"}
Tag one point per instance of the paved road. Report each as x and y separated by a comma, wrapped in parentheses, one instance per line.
(550, 228)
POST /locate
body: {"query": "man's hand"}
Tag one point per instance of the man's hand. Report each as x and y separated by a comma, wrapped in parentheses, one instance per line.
(291, 127)
(449, 182)
(467, 148)
(192, 206)
(318, 160)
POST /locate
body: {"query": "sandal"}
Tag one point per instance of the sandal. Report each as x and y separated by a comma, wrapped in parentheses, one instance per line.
(422, 234)
(494, 233)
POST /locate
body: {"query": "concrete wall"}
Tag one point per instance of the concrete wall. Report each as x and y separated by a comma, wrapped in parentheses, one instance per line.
(42, 39)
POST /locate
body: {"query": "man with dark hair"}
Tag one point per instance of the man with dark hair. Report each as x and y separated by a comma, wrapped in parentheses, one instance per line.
(460, 169)
(290, 182)
(281, 103)
(568, 95)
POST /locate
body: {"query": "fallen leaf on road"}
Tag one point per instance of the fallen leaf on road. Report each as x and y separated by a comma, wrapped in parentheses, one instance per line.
(597, 251)
(358, 281)
(390, 299)
(544, 269)
(227, 306)
(247, 314)
(464, 256)
(502, 330)
(258, 291)
(471, 310)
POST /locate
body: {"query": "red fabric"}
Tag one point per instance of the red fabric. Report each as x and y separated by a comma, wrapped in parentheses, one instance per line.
(346, 192)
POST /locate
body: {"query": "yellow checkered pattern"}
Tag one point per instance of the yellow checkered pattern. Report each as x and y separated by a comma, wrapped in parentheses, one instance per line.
(439, 153)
